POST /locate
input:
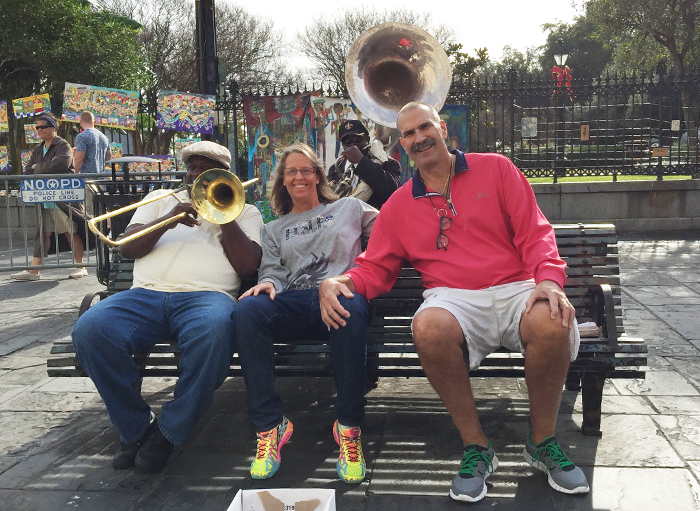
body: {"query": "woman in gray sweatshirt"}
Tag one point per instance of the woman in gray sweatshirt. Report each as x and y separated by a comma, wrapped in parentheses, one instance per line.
(316, 236)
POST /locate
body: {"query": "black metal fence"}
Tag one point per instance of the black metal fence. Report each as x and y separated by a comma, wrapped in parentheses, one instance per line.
(614, 125)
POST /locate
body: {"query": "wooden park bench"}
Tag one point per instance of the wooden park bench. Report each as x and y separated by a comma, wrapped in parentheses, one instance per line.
(593, 287)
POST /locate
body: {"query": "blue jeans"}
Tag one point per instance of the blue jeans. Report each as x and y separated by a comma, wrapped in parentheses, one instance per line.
(110, 332)
(294, 315)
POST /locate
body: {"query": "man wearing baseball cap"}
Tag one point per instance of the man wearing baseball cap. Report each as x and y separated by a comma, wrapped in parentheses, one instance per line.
(186, 275)
(364, 170)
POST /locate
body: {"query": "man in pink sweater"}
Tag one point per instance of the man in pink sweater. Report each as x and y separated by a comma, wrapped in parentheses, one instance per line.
(470, 224)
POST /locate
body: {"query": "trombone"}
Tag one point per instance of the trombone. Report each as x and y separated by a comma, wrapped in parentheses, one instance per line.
(217, 195)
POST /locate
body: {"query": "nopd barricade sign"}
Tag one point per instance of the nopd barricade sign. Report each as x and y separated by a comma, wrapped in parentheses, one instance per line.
(58, 189)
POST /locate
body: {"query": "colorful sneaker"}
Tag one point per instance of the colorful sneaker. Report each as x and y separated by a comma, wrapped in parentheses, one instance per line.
(267, 457)
(477, 464)
(351, 464)
(562, 474)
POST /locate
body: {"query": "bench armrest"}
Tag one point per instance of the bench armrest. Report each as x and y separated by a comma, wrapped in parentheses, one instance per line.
(607, 313)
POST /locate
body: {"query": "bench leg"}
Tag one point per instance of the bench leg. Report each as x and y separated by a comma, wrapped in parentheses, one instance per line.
(592, 398)
(573, 381)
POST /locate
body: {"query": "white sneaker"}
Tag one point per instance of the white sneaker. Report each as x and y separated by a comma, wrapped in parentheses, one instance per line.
(79, 272)
(25, 275)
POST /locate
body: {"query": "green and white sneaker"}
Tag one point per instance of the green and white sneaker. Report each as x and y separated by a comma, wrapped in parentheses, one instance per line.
(561, 472)
(477, 464)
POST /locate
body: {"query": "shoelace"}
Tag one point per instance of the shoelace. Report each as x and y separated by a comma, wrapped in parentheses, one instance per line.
(352, 446)
(471, 461)
(556, 455)
(265, 443)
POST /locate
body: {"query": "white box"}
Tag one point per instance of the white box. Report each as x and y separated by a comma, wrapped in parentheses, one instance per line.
(284, 499)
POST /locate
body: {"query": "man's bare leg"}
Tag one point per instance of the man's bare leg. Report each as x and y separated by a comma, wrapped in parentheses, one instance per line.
(439, 340)
(546, 364)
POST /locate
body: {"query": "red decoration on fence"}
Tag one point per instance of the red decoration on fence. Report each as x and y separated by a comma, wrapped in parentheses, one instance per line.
(563, 78)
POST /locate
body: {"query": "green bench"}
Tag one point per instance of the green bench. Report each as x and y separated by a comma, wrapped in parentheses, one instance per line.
(593, 287)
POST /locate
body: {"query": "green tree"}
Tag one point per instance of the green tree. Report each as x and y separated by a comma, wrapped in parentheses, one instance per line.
(650, 29)
(588, 54)
(45, 43)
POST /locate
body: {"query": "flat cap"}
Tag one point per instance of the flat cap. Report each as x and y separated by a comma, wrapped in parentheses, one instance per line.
(210, 150)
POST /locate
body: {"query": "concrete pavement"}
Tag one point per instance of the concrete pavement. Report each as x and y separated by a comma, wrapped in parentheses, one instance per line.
(57, 442)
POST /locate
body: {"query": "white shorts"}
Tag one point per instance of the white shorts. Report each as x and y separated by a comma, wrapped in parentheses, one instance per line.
(489, 318)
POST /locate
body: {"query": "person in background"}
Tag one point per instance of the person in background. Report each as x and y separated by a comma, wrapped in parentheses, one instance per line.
(91, 147)
(364, 170)
(53, 156)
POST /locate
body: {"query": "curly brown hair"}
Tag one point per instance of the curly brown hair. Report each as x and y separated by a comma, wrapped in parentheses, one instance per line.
(279, 198)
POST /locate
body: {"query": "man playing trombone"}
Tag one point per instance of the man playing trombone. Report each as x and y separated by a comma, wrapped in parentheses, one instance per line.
(186, 275)
(364, 170)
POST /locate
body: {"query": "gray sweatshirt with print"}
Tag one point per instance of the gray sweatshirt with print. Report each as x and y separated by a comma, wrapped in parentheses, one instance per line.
(302, 249)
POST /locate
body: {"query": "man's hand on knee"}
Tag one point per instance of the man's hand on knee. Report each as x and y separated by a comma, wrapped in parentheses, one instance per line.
(559, 304)
(332, 313)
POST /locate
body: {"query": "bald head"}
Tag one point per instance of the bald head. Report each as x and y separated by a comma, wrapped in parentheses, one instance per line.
(415, 105)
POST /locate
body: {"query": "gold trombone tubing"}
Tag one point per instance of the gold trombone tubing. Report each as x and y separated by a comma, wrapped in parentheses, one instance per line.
(236, 203)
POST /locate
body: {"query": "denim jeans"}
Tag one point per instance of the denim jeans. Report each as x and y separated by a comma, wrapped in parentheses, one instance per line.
(293, 315)
(110, 332)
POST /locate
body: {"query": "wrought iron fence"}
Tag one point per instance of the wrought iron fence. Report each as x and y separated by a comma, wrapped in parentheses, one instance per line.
(612, 125)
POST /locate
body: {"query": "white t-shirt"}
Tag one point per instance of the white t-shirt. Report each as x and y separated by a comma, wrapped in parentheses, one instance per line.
(189, 258)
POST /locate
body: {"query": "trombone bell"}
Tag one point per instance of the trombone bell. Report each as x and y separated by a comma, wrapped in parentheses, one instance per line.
(217, 195)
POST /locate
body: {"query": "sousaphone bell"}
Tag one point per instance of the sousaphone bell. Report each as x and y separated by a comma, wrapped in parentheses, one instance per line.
(393, 64)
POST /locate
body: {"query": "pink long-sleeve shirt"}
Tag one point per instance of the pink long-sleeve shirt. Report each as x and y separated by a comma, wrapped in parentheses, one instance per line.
(497, 233)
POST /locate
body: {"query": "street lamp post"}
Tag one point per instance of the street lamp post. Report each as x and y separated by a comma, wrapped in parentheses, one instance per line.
(560, 73)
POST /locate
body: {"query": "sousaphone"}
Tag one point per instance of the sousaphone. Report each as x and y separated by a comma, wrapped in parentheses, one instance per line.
(393, 64)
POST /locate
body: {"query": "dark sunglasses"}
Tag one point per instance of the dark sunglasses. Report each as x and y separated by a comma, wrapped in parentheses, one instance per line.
(43, 127)
(352, 139)
(443, 240)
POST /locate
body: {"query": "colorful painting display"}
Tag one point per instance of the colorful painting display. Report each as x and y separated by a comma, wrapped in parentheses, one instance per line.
(25, 155)
(4, 125)
(274, 122)
(116, 150)
(31, 135)
(192, 113)
(178, 145)
(112, 107)
(4, 159)
(31, 106)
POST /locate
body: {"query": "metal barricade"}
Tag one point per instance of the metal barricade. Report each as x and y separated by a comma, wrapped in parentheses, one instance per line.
(19, 222)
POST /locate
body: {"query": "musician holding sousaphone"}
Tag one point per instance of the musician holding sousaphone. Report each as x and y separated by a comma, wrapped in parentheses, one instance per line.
(189, 254)
(364, 170)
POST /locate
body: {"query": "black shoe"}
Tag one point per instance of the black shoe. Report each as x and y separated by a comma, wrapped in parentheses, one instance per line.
(154, 453)
(125, 456)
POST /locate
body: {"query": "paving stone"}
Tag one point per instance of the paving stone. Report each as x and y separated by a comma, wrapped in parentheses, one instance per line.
(669, 405)
(22, 428)
(683, 431)
(66, 385)
(52, 402)
(688, 366)
(625, 489)
(656, 383)
(646, 277)
(634, 405)
(684, 276)
(19, 500)
(682, 318)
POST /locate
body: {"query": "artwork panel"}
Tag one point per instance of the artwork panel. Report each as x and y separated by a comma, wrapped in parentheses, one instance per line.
(31, 135)
(192, 113)
(4, 159)
(24, 156)
(273, 122)
(4, 123)
(116, 108)
(31, 106)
